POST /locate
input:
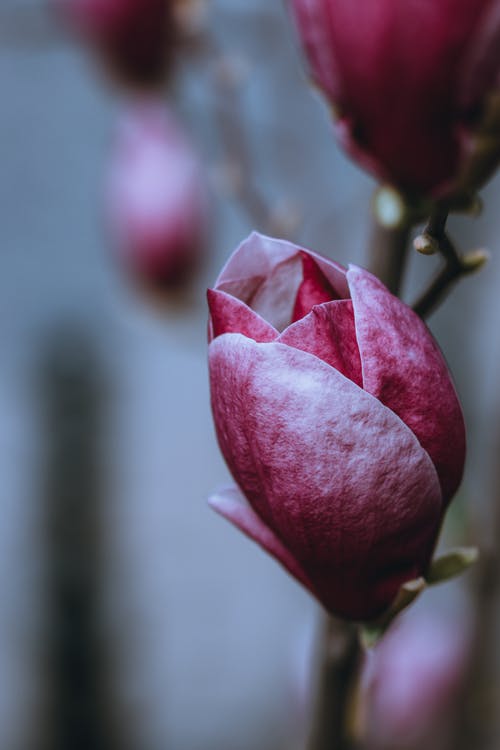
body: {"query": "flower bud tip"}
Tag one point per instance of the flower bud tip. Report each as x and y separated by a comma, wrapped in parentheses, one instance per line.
(425, 244)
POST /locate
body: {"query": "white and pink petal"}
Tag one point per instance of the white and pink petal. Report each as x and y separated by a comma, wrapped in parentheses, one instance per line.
(338, 477)
(230, 315)
(329, 333)
(256, 257)
(403, 367)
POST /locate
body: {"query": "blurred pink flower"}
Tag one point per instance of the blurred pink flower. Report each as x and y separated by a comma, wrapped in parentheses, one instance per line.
(412, 678)
(156, 198)
(408, 81)
(133, 37)
(337, 417)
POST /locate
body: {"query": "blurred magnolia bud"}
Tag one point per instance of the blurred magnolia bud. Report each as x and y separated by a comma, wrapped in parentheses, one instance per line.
(412, 679)
(133, 38)
(156, 199)
(413, 86)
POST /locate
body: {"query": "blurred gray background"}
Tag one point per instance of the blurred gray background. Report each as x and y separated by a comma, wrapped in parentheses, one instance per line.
(208, 640)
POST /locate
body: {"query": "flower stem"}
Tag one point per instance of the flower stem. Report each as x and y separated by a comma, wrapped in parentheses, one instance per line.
(388, 253)
(340, 662)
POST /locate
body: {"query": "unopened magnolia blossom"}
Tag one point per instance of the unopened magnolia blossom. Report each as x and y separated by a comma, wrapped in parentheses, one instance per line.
(133, 37)
(411, 84)
(156, 197)
(337, 417)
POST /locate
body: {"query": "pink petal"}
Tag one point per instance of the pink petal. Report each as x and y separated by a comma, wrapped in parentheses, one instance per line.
(255, 256)
(338, 477)
(314, 288)
(233, 505)
(274, 299)
(329, 333)
(334, 273)
(311, 18)
(481, 66)
(404, 368)
(258, 255)
(375, 53)
(367, 65)
(229, 315)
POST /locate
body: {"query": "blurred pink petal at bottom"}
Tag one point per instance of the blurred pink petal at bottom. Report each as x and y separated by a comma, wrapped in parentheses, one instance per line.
(412, 681)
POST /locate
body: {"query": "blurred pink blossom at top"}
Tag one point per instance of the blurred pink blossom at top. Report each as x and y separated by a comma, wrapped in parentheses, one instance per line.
(408, 81)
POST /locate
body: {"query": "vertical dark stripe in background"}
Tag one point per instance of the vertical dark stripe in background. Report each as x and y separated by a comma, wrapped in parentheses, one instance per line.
(78, 700)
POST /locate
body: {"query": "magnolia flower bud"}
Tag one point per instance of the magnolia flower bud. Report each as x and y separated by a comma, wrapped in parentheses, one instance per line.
(337, 417)
(412, 84)
(156, 201)
(132, 37)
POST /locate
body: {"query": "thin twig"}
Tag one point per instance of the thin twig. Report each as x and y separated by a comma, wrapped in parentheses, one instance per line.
(455, 265)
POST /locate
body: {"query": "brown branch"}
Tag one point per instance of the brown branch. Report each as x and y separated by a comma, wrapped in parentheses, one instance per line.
(455, 266)
(388, 253)
(340, 661)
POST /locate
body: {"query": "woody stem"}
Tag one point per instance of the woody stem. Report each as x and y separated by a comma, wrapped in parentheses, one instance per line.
(455, 265)
(388, 250)
(340, 659)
